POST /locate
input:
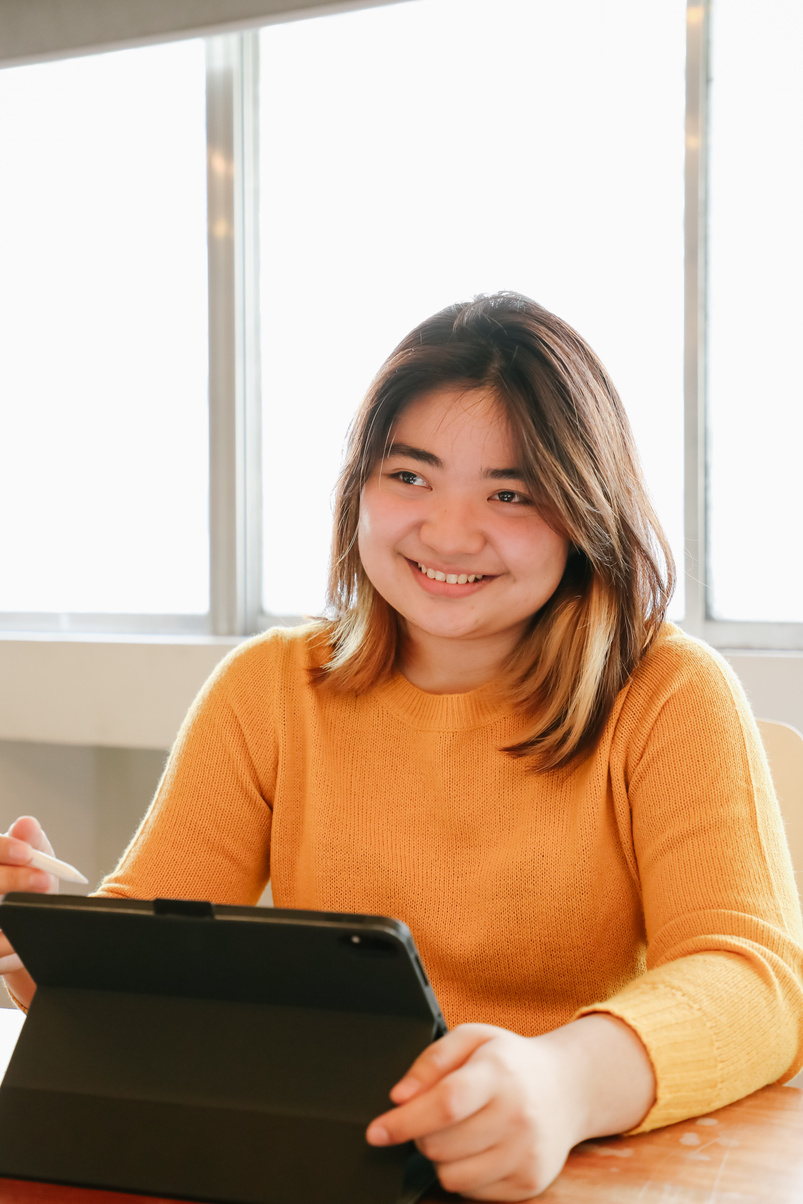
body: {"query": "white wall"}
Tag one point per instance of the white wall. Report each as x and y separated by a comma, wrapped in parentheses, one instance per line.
(773, 682)
(89, 800)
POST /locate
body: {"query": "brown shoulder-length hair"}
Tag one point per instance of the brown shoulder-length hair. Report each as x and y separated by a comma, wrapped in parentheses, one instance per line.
(580, 463)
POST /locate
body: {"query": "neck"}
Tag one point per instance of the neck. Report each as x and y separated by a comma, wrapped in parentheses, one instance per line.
(456, 668)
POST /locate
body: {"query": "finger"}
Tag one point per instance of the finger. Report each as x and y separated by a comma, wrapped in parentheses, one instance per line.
(474, 1135)
(28, 828)
(453, 1099)
(479, 1177)
(441, 1058)
(502, 1172)
(25, 878)
(17, 851)
(476, 1181)
(14, 851)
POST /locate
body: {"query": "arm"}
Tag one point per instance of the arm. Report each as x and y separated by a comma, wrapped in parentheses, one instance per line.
(719, 1011)
(498, 1113)
(720, 1008)
(207, 832)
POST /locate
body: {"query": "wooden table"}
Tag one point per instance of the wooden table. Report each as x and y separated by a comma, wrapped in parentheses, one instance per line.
(751, 1151)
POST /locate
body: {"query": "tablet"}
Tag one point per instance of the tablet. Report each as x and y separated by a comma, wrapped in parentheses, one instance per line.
(184, 1048)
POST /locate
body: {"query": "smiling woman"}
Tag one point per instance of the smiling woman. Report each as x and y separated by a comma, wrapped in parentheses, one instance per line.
(564, 797)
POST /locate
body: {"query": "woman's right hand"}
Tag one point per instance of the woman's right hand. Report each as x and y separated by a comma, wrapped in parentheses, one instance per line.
(16, 873)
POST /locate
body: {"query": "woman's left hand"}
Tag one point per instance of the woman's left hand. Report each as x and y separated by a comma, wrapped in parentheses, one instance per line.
(494, 1111)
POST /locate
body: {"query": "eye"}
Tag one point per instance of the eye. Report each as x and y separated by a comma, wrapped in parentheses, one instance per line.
(511, 497)
(407, 477)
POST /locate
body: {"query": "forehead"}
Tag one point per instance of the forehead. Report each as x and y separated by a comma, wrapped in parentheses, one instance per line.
(464, 419)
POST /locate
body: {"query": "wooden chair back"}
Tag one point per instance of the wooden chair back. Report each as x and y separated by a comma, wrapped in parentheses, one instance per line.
(784, 747)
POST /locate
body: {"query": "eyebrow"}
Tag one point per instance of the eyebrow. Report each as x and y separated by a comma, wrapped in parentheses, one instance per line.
(408, 452)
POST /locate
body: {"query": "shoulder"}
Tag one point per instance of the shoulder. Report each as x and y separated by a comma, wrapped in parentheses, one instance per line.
(687, 691)
(278, 659)
(678, 663)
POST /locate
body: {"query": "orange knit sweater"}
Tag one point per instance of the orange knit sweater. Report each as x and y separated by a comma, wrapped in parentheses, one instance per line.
(652, 882)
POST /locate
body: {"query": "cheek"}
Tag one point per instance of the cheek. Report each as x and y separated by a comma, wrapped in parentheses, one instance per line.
(381, 518)
(364, 533)
(375, 544)
(542, 550)
(369, 557)
(369, 516)
(374, 529)
(559, 549)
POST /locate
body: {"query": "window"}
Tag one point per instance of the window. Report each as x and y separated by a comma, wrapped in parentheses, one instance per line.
(359, 170)
(103, 329)
(755, 313)
(491, 154)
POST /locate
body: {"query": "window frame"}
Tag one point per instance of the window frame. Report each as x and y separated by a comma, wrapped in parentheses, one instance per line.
(235, 510)
(698, 620)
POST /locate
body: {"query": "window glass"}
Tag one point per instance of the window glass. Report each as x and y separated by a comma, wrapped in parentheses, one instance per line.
(416, 154)
(103, 334)
(755, 313)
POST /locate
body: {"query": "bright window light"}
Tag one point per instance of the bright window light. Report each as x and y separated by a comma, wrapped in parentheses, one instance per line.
(417, 154)
(103, 334)
(756, 312)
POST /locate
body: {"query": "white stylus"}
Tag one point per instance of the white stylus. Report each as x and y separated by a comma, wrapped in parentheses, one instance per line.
(53, 866)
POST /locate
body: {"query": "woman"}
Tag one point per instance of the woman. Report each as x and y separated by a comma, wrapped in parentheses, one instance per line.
(497, 738)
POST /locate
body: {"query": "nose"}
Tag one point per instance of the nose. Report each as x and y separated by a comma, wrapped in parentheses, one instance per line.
(453, 529)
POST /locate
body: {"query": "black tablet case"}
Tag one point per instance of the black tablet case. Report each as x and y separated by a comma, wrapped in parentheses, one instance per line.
(217, 1053)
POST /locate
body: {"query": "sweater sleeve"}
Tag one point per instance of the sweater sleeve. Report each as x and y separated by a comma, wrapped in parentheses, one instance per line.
(207, 832)
(720, 1008)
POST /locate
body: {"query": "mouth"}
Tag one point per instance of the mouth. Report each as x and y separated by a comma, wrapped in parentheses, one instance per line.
(451, 578)
(450, 585)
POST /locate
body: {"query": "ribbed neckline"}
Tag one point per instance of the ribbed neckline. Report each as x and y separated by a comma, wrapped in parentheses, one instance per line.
(441, 712)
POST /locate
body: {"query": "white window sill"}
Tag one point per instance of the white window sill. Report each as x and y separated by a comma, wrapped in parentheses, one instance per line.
(133, 691)
(108, 690)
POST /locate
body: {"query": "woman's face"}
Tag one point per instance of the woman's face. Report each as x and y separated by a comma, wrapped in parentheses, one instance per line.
(448, 535)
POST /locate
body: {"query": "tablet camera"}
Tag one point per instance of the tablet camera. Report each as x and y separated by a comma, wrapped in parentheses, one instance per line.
(370, 946)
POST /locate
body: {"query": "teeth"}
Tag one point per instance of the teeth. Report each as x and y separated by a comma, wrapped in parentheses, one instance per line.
(450, 578)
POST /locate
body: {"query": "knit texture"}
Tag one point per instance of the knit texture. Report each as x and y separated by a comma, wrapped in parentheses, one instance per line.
(652, 881)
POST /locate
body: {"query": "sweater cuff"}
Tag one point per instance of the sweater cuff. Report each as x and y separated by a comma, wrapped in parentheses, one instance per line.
(680, 1047)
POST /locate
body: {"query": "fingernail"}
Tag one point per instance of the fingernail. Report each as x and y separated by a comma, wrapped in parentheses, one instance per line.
(19, 852)
(377, 1135)
(404, 1089)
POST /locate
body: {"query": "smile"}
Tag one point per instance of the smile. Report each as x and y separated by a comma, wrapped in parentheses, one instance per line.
(450, 578)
